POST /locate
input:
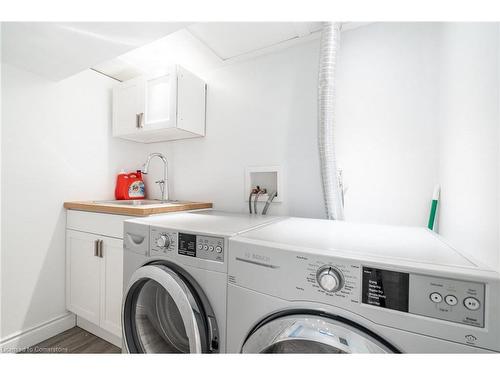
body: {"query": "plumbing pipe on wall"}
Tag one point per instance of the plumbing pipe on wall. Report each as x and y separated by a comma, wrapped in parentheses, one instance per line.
(330, 42)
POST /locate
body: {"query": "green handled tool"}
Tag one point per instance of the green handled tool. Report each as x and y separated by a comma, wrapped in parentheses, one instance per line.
(434, 205)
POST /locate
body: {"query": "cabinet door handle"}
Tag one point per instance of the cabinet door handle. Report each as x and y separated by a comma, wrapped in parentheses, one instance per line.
(96, 248)
(138, 118)
(101, 242)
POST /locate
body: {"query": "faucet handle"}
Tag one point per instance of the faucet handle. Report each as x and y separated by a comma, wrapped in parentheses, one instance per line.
(162, 189)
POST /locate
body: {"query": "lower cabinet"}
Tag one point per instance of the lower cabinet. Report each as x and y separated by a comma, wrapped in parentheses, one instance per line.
(94, 278)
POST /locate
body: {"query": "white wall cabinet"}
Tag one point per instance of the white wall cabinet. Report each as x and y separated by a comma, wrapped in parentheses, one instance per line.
(160, 107)
(94, 274)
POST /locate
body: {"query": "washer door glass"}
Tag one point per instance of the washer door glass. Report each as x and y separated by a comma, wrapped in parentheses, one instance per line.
(311, 334)
(161, 314)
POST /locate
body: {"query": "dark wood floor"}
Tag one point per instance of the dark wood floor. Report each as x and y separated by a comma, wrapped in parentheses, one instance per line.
(74, 340)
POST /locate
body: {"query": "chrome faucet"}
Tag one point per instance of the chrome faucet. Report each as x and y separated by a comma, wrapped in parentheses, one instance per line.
(162, 183)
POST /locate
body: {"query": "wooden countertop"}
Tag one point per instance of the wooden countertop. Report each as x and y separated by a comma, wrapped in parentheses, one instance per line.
(150, 209)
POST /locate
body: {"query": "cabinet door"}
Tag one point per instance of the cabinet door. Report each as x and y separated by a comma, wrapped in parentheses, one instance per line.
(160, 100)
(111, 284)
(128, 107)
(83, 272)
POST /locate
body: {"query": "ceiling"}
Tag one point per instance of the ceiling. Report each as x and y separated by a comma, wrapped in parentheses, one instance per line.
(232, 39)
(57, 50)
(123, 50)
(204, 47)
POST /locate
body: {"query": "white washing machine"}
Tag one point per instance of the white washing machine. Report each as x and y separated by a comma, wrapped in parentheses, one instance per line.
(318, 286)
(175, 281)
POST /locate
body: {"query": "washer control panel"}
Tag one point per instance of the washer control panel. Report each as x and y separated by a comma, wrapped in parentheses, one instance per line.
(447, 299)
(454, 300)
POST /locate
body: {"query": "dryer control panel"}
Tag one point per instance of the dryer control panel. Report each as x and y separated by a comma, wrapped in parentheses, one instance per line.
(204, 247)
(447, 299)
(165, 242)
(162, 241)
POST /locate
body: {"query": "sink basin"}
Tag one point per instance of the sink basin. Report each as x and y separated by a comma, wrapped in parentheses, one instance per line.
(138, 202)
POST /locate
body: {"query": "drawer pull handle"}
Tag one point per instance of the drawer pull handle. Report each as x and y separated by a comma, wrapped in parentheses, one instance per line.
(139, 120)
(101, 242)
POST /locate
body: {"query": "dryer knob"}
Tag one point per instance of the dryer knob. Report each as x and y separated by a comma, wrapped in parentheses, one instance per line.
(329, 279)
(163, 241)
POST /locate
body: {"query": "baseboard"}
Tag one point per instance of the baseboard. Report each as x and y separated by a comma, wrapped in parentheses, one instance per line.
(98, 331)
(24, 339)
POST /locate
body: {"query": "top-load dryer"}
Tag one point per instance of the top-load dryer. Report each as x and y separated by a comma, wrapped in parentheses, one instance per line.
(306, 285)
(175, 280)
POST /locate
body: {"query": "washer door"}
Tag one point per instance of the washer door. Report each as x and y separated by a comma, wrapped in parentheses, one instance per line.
(308, 333)
(163, 314)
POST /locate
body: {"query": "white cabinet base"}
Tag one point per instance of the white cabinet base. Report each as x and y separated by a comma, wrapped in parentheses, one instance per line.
(152, 136)
(98, 331)
(94, 272)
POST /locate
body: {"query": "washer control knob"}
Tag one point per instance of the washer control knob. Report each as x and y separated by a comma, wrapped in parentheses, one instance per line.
(329, 279)
(163, 241)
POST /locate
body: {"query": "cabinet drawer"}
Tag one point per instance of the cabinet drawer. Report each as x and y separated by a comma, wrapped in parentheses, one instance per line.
(98, 223)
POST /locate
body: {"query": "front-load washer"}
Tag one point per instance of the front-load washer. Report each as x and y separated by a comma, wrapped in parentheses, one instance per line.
(175, 280)
(307, 285)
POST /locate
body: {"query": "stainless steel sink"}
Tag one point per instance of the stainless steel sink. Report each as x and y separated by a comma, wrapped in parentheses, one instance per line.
(138, 202)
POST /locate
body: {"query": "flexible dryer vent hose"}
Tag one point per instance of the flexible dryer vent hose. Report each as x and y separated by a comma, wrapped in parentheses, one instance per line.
(330, 39)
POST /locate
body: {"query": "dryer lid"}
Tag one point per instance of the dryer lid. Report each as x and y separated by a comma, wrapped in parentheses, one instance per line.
(358, 240)
(211, 222)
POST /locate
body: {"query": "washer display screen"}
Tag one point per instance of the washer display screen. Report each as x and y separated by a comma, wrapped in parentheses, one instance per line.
(387, 289)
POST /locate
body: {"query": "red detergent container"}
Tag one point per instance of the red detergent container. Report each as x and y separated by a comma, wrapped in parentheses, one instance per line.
(129, 186)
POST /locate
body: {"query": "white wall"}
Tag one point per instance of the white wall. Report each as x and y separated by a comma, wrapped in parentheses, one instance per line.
(56, 146)
(469, 139)
(386, 143)
(264, 112)
(260, 112)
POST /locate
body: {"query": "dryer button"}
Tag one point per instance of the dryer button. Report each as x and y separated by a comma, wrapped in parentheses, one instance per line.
(451, 300)
(436, 297)
(471, 303)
